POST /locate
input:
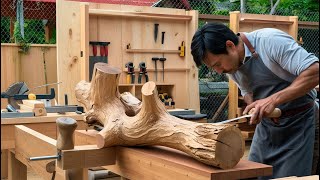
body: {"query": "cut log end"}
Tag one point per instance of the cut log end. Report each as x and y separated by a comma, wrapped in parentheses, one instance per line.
(148, 88)
(103, 67)
(230, 147)
(100, 141)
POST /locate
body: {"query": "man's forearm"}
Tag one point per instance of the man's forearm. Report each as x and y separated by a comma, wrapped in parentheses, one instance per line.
(248, 98)
(305, 82)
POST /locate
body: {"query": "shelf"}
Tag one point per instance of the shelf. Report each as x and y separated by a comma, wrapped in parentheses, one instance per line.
(152, 51)
(160, 69)
(132, 14)
(264, 21)
(158, 84)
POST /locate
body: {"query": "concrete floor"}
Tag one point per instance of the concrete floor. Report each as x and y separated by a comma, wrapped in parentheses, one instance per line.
(33, 176)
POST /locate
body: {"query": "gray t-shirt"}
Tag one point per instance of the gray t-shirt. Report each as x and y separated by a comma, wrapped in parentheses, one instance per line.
(280, 53)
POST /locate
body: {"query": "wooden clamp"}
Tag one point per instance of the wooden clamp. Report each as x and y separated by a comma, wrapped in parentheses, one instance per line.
(71, 161)
(65, 141)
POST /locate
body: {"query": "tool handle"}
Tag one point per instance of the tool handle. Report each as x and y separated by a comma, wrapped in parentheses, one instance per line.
(94, 50)
(102, 52)
(106, 51)
(66, 127)
(274, 114)
(162, 38)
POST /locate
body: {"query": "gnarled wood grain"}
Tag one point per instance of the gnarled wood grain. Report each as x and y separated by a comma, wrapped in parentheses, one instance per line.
(218, 145)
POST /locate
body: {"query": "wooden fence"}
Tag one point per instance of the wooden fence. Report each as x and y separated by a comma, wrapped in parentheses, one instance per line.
(37, 67)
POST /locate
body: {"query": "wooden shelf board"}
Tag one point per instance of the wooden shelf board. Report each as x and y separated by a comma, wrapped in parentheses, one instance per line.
(263, 21)
(132, 14)
(158, 84)
(152, 51)
(160, 70)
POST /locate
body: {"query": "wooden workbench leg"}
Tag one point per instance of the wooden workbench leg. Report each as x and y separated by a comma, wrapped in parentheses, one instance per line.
(16, 169)
(78, 174)
(4, 164)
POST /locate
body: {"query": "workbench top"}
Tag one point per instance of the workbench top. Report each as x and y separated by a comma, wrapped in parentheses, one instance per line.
(50, 117)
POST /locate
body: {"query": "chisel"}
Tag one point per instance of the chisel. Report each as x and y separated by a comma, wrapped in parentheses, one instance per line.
(156, 27)
(275, 114)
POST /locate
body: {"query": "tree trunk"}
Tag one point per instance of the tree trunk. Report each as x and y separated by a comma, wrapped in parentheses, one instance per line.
(273, 8)
(243, 6)
(218, 145)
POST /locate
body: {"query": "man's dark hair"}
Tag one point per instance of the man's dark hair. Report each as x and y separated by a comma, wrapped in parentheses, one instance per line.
(211, 38)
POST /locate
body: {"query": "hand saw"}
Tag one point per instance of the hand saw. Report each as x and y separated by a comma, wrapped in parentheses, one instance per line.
(275, 114)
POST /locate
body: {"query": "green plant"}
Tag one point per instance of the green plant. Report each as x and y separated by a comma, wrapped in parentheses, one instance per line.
(5, 29)
(24, 45)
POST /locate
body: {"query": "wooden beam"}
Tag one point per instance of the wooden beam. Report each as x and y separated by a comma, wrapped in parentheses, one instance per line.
(132, 14)
(51, 117)
(47, 33)
(308, 25)
(16, 169)
(68, 49)
(152, 51)
(30, 143)
(193, 75)
(33, 103)
(11, 30)
(4, 164)
(84, 43)
(87, 156)
(293, 29)
(233, 88)
(43, 124)
(213, 18)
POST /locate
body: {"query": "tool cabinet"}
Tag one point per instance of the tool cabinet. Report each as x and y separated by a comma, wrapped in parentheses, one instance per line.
(130, 31)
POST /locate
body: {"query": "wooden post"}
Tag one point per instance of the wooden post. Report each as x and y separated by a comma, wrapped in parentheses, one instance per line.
(233, 88)
(12, 29)
(17, 170)
(4, 164)
(47, 33)
(65, 141)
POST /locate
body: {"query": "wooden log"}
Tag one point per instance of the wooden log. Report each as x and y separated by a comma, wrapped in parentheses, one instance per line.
(217, 145)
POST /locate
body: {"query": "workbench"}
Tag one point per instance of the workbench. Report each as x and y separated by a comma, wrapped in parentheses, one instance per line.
(159, 162)
(42, 124)
(152, 162)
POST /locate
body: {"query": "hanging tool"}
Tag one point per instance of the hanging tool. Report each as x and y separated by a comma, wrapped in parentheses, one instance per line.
(155, 59)
(143, 71)
(156, 27)
(104, 52)
(95, 58)
(182, 49)
(162, 38)
(130, 75)
(162, 60)
(275, 114)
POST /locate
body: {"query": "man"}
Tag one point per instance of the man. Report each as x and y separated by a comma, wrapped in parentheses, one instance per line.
(271, 70)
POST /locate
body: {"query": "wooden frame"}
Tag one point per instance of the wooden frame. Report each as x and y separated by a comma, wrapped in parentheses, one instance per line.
(154, 161)
(121, 25)
(249, 22)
